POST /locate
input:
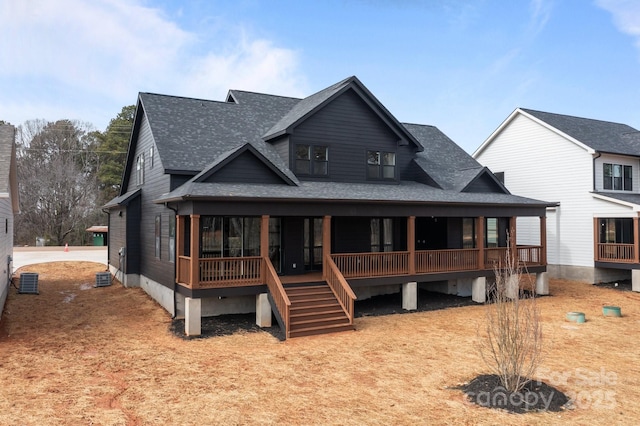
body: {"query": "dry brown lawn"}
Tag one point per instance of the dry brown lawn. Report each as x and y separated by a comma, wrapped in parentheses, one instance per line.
(80, 355)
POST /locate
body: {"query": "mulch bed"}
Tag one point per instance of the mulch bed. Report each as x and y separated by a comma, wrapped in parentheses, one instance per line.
(388, 304)
(487, 391)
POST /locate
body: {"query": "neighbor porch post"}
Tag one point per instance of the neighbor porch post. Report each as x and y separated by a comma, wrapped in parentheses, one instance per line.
(596, 239)
(543, 240)
(636, 243)
(326, 243)
(411, 243)
(480, 242)
(194, 273)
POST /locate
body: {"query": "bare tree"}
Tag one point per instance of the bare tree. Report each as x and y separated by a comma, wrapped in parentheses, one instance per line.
(56, 172)
(511, 345)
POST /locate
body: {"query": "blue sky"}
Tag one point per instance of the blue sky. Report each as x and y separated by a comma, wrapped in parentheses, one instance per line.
(461, 65)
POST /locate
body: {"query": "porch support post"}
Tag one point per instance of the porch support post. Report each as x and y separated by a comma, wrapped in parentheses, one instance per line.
(542, 283)
(192, 316)
(543, 240)
(326, 242)
(194, 273)
(179, 243)
(596, 239)
(411, 244)
(263, 310)
(410, 296)
(636, 242)
(635, 280)
(264, 236)
(513, 246)
(479, 289)
(480, 242)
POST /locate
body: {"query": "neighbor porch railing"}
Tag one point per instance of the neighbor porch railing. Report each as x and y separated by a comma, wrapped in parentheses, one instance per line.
(618, 253)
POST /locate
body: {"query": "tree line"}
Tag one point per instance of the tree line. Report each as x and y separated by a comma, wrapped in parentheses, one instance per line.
(66, 172)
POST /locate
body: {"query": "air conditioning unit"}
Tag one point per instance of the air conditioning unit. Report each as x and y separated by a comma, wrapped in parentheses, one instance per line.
(28, 283)
(103, 279)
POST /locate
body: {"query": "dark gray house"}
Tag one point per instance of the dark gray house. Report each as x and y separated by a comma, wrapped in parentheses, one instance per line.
(297, 207)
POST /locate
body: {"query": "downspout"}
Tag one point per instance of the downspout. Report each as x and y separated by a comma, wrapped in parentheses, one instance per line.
(594, 169)
(175, 270)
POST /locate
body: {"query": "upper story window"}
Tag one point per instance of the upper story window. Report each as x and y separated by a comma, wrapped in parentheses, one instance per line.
(381, 165)
(312, 160)
(617, 177)
(140, 169)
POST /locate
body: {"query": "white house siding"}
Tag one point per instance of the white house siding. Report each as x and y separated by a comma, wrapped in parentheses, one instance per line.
(617, 159)
(539, 163)
(6, 247)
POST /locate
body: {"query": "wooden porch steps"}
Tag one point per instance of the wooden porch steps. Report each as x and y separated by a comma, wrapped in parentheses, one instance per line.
(315, 310)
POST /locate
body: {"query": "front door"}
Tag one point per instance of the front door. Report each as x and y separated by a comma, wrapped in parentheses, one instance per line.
(313, 244)
(301, 245)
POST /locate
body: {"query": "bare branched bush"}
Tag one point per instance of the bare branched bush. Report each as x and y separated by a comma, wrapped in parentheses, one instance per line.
(511, 341)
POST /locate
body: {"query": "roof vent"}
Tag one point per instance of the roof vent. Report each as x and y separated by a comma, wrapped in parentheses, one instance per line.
(103, 279)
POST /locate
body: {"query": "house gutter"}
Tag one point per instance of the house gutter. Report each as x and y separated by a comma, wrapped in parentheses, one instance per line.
(175, 269)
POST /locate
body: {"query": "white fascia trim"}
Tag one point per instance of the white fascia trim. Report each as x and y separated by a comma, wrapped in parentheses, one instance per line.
(633, 206)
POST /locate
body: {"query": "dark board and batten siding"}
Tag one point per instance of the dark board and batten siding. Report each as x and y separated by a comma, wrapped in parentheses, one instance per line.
(156, 182)
(349, 127)
(246, 168)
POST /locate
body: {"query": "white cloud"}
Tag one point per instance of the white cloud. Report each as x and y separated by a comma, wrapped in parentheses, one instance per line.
(540, 14)
(87, 50)
(626, 16)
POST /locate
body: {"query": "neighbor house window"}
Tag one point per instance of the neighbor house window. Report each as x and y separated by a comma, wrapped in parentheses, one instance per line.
(158, 236)
(617, 177)
(312, 160)
(616, 231)
(140, 169)
(381, 165)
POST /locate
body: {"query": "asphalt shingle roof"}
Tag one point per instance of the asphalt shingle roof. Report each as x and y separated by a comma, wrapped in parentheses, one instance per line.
(603, 136)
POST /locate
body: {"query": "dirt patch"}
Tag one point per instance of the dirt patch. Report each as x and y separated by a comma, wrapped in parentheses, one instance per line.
(76, 354)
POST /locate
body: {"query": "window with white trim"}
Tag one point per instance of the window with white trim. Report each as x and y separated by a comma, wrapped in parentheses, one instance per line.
(140, 169)
(617, 177)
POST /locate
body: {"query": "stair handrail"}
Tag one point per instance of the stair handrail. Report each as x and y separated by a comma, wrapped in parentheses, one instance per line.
(340, 287)
(279, 295)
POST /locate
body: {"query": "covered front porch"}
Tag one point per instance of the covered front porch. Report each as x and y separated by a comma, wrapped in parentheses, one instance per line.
(617, 245)
(278, 252)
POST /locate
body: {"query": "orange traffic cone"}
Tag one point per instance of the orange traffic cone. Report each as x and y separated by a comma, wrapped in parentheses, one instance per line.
(66, 247)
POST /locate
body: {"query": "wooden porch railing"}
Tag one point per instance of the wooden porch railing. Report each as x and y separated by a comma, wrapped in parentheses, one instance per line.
(364, 265)
(619, 253)
(446, 260)
(230, 271)
(184, 266)
(245, 271)
(280, 298)
(340, 288)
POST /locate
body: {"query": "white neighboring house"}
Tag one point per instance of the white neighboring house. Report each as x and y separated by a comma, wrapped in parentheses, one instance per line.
(9, 205)
(592, 169)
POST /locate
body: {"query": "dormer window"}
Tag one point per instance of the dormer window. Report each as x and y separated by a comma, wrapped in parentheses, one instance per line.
(617, 177)
(312, 160)
(381, 165)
